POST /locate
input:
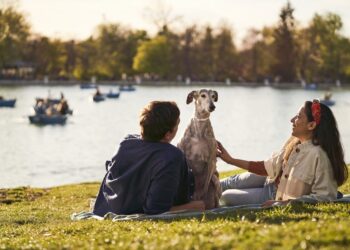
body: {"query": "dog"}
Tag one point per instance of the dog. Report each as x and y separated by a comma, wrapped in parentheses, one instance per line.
(199, 146)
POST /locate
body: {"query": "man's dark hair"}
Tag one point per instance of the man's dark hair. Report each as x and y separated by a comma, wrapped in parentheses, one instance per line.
(158, 118)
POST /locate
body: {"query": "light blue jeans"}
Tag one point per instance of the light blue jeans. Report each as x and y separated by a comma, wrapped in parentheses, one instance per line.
(246, 188)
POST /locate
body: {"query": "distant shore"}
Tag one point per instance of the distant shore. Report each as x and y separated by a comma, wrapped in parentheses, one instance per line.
(321, 86)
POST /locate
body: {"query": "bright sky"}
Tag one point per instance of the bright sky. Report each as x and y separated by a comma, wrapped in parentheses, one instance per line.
(77, 19)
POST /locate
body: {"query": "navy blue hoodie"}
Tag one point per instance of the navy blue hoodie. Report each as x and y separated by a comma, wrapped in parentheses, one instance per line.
(144, 177)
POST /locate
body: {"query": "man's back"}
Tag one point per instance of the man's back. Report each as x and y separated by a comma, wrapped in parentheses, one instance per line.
(144, 177)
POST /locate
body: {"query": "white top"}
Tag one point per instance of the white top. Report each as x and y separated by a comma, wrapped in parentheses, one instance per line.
(308, 171)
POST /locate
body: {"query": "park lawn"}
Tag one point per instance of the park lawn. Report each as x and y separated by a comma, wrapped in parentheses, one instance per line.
(32, 218)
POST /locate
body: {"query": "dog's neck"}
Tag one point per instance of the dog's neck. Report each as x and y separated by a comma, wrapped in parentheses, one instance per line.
(201, 116)
(200, 119)
(200, 128)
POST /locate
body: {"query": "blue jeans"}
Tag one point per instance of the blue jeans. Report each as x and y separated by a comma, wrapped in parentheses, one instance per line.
(246, 188)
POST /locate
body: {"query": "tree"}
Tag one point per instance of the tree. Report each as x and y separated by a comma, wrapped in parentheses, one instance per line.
(225, 55)
(189, 62)
(116, 47)
(256, 58)
(285, 47)
(154, 57)
(206, 54)
(323, 52)
(46, 55)
(86, 60)
(14, 31)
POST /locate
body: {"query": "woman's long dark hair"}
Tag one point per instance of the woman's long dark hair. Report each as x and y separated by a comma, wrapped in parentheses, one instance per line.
(326, 135)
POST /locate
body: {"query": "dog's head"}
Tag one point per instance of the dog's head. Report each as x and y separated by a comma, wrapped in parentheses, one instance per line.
(204, 100)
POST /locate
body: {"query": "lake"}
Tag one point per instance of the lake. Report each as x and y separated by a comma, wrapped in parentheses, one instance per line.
(250, 122)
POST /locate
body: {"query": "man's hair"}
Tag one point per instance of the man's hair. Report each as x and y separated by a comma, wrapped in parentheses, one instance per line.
(158, 118)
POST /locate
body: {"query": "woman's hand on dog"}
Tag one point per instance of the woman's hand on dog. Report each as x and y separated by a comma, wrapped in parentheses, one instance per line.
(222, 153)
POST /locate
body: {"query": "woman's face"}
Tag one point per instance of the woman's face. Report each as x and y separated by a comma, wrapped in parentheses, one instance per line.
(302, 128)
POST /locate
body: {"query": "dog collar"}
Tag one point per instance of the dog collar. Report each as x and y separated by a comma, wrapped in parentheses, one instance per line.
(201, 119)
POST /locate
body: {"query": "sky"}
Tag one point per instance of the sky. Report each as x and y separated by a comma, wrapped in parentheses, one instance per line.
(78, 19)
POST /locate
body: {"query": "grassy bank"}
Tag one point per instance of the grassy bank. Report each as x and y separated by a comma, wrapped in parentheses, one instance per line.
(40, 218)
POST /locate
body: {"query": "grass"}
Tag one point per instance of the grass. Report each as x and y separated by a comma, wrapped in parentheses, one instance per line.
(32, 218)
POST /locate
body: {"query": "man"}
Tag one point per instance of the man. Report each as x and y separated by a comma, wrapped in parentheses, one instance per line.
(148, 174)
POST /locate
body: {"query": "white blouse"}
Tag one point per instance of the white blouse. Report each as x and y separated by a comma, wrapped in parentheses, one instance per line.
(308, 171)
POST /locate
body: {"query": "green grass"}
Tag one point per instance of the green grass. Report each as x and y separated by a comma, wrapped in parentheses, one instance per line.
(33, 218)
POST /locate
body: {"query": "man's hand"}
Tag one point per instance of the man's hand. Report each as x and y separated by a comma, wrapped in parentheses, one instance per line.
(192, 205)
(197, 205)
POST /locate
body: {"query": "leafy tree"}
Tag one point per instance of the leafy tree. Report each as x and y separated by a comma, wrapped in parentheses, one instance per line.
(46, 55)
(324, 52)
(154, 56)
(189, 56)
(284, 46)
(69, 58)
(256, 58)
(128, 49)
(14, 31)
(225, 55)
(206, 54)
(86, 60)
(116, 47)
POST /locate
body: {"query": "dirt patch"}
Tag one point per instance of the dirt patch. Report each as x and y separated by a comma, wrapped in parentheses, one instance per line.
(9, 196)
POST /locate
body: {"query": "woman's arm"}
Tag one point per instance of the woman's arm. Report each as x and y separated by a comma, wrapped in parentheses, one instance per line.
(253, 167)
(226, 157)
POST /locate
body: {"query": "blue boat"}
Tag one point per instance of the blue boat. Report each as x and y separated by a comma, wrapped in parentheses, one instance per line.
(311, 86)
(42, 119)
(127, 88)
(328, 102)
(98, 98)
(10, 103)
(113, 94)
(88, 86)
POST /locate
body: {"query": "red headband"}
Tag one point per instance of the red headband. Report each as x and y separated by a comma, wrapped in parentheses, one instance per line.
(316, 111)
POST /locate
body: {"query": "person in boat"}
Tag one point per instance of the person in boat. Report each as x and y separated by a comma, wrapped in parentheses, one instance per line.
(148, 174)
(63, 107)
(98, 92)
(327, 96)
(40, 108)
(311, 164)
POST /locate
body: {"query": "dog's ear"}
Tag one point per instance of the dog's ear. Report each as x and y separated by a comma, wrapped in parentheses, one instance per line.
(215, 96)
(190, 96)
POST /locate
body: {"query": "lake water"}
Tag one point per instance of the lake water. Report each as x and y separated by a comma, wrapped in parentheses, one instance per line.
(250, 122)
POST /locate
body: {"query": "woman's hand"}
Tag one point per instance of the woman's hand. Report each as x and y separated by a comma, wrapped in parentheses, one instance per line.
(222, 153)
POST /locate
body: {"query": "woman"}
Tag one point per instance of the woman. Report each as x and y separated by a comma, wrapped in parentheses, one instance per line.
(310, 163)
(148, 174)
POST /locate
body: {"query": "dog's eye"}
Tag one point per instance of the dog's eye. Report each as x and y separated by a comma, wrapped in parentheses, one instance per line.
(203, 96)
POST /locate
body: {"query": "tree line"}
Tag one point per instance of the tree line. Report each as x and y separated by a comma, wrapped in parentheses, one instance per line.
(283, 52)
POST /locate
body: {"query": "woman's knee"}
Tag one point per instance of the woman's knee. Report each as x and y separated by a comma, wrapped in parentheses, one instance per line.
(228, 198)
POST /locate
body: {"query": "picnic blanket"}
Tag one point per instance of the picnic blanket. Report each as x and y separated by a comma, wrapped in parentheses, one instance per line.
(185, 214)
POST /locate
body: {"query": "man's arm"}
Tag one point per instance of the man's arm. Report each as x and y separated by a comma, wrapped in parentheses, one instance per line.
(163, 188)
(192, 205)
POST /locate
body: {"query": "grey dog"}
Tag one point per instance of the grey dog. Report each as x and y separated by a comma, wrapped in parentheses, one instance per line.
(199, 146)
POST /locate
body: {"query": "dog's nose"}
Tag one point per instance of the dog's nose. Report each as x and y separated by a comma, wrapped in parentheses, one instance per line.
(211, 107)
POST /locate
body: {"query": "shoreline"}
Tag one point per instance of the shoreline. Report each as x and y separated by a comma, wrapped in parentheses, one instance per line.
(20, 83)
